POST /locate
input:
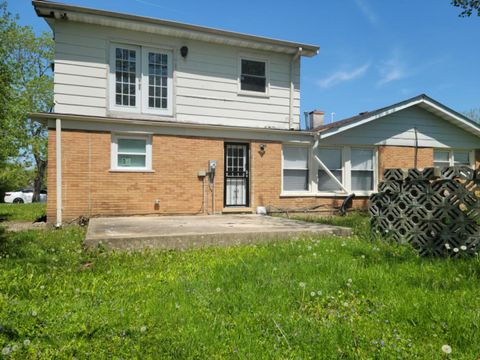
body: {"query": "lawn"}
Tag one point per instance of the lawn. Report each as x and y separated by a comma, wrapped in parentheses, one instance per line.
(306, 298)
(21, 212)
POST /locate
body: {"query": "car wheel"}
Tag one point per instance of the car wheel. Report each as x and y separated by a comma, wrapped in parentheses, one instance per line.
(18, 201)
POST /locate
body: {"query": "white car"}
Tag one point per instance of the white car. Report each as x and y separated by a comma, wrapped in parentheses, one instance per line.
(23, 196)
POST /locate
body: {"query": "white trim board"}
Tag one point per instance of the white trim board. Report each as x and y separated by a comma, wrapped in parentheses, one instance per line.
(423, 103)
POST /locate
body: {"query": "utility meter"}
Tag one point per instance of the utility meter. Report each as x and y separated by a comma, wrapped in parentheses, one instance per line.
(212, 165)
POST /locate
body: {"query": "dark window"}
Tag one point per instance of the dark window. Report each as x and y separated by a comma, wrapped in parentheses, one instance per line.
(253, 77)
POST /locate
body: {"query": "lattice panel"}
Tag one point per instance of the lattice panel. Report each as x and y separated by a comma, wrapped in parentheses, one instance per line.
(435, 210)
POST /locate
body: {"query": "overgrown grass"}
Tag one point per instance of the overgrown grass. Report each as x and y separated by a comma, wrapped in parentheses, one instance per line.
(21, 212)
(306, 298)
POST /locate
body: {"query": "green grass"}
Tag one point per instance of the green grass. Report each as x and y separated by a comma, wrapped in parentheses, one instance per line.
(321, 298)
(21, 212)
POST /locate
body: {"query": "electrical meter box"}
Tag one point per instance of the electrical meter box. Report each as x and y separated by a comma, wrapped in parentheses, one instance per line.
(212, 165)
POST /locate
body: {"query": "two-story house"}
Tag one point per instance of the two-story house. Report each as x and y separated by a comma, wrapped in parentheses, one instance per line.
(159, 117)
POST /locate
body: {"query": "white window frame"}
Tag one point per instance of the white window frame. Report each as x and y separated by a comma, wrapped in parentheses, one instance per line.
(343, 158)
(141, 80)
(145, 83)
(114, 153)
(309, 164)
(314, 166)
(374, 166)
(267, 76)
(451, 160)
(112, 82)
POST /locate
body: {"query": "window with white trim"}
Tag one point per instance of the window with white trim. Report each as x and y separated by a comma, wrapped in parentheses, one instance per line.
(349, 169)
(131, 152)
(362, 172)
(444, 158)
(295, 168)
(253, 76)
(332, 159)
(141, 79)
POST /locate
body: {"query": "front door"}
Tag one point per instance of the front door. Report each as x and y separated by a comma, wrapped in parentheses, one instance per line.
(236, 175)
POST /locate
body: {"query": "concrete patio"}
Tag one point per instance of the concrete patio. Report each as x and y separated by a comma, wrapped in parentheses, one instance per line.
(179, 232)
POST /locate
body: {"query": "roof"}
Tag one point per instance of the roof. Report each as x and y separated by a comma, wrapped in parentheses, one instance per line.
(54, 10)
(421, 100)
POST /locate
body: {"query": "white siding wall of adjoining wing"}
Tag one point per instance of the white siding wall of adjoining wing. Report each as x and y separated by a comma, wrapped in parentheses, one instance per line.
(398, 130)
(205, 83)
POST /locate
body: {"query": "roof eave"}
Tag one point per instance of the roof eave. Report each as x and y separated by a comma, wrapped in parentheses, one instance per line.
(443, 111)
(140, 23)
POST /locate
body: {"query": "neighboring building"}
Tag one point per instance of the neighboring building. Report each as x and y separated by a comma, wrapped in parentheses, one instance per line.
(142, 107)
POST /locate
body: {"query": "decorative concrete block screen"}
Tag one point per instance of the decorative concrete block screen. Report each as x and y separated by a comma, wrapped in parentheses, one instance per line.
(436, 210)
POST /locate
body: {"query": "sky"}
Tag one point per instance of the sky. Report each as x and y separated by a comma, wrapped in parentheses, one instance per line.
(373, 53)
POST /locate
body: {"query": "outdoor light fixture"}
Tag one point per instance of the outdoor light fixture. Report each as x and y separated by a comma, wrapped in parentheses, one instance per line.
(184, 51)
(262, 149)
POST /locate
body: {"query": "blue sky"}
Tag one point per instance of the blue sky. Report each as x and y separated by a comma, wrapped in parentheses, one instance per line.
(372, 52)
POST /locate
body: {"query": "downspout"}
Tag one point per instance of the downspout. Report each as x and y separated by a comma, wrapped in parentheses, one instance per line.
(58, 160)
(292, 86)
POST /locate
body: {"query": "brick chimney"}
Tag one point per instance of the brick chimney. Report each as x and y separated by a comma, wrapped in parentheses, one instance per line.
(315, 118)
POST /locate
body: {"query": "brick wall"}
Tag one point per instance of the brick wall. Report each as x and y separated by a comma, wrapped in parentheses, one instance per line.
(403, 157)
(91, 189)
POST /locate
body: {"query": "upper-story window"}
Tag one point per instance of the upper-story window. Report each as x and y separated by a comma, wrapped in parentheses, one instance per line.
(253, 76)
(141, 80)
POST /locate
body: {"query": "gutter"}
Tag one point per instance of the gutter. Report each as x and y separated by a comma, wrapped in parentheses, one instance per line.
(292, 86)
(42, 117)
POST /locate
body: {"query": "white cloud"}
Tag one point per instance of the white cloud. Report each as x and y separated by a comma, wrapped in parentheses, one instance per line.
(342, 76)
(392, 69)
(367, 11)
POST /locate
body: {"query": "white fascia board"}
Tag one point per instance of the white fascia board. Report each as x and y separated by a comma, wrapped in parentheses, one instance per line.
(334, 131)
(455, 119)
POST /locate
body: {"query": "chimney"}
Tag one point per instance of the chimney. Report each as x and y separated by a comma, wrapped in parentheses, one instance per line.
(315, 118)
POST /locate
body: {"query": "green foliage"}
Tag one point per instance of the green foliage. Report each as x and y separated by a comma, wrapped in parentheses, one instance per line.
(473, 114)
(21, 212)
(468, 7)
(322, 298)
(27, 87)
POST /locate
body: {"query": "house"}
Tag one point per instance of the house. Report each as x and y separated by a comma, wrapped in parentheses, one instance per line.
(159, 117)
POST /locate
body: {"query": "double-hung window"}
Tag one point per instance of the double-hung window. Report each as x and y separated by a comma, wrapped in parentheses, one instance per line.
(443, 158)
(349, 170)
(141, 80)
(253, 76)
(332, 159)
(362, 172)
(295, 168)
(131, 152)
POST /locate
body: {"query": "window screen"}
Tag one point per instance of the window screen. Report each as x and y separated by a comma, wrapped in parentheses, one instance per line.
(125, 77)
(253, 76)
(131, 153)
(295, 168)
(362, 169)
(332, 158)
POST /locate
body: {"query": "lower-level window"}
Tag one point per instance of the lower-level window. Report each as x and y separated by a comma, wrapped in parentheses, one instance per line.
(332, 159)
(362, 169)
(295, 168)
(443, 158)
(131, 152)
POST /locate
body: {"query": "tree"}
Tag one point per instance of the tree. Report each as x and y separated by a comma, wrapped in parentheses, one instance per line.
(473, 114)
(27, 59)
(468, 7)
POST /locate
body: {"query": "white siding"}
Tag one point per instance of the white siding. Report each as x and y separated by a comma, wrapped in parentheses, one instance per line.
(398, 129)
(205, 83)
